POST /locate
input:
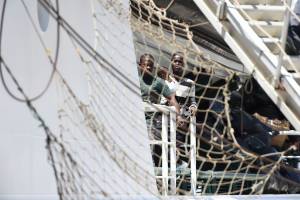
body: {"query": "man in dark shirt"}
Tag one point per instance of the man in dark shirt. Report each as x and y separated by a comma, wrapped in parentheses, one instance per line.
(153, 88)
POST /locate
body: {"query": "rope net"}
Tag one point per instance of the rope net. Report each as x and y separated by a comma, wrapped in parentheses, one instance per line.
(209, 155)
(226, 161)
(218, 160)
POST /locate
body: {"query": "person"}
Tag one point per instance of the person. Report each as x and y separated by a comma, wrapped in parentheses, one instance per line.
(152, 90)
(164, 73)
(255, 136)
(184, 87)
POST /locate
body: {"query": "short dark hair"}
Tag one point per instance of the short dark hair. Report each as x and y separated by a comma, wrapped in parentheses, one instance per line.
(178, 53)
(145, 56)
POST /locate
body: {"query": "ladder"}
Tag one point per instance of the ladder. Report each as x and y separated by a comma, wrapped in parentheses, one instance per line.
(256, 30)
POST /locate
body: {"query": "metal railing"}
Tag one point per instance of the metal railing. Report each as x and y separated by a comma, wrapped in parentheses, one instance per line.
(283, 38)
(169, 147)
(168, 171)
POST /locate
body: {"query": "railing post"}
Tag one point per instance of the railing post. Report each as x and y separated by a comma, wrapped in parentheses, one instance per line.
(173, 150)
(193, 154)
(283, 38)
(221, 10)
(164, 135)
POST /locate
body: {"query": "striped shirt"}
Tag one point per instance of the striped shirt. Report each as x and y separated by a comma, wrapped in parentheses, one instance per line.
(184, 93)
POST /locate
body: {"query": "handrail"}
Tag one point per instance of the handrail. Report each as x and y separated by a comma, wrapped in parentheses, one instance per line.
(172, 172)
(290, 132)
(257, 58)
(166, 112)
(216, 174)
(283, 38)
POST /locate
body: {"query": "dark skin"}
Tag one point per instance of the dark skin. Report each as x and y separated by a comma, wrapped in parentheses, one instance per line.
(163, 73)
(177, 66)
(178, 72)
(147, 67)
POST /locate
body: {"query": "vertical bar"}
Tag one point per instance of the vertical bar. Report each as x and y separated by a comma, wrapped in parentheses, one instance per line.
(173, 150)
(284, 33)
(164, 135)
(193, 154)
(221, 10)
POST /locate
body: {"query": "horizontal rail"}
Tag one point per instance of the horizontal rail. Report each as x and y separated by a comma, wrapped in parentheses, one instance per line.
(212, 174)
(149, 107)
(290, 132)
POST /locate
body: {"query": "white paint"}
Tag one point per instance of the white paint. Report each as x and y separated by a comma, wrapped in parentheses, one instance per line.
(25, 172)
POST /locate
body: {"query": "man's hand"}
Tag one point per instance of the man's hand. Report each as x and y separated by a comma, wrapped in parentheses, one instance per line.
(193, 109)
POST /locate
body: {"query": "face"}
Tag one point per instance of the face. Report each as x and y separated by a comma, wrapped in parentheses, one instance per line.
(147, 65)
(177, 65)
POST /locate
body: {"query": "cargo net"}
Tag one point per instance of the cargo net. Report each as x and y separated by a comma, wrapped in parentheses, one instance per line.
(90, 161)
(203, 154)
(214, 152)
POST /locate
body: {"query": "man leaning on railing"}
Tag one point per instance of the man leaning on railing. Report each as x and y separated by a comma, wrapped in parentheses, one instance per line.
(152, 89)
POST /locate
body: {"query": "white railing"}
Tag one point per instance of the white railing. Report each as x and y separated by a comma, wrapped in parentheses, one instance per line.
(167, 173)
(290, 132)
(221, 10)
(283, 38)
(169, 115)
(255, 55)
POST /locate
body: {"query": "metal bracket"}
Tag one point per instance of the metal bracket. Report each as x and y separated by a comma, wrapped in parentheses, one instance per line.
(221, 10)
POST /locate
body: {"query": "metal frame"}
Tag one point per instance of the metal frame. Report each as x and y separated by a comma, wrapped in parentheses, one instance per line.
(256, 58)
(283, 38)
(171, 147)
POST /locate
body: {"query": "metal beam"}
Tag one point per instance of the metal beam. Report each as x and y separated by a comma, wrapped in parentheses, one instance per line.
(256, 57)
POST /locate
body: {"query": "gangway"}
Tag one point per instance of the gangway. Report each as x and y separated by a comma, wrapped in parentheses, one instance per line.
(256, 31)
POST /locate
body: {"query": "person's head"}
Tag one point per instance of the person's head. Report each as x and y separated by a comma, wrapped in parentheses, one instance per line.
(163, 72)
(177, 62)
(146, 63)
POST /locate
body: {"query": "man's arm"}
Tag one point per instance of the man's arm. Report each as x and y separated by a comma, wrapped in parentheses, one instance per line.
(170, 96)
(173, 102)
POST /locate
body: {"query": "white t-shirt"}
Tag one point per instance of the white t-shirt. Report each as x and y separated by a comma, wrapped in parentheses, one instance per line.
(181, 89)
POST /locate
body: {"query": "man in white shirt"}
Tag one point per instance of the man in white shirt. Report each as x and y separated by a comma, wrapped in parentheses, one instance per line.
(184, 88)
(185, 95)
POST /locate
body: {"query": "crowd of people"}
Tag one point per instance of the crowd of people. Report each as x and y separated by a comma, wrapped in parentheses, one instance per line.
(180, 88)
(255, 119)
